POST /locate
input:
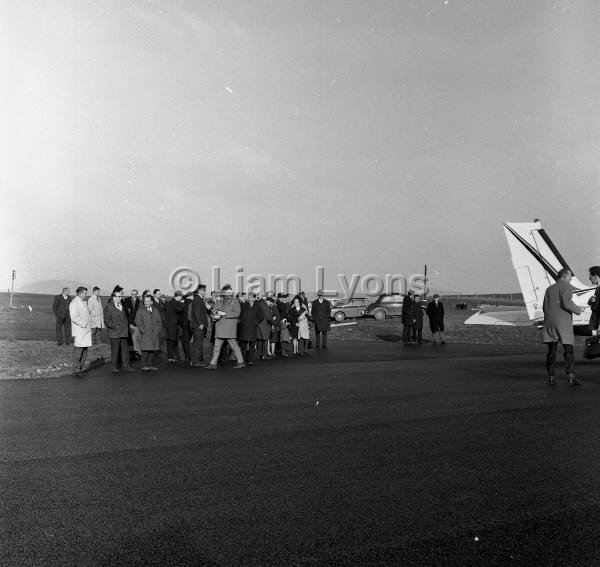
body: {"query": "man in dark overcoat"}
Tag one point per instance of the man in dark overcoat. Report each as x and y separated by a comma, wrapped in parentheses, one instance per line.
(435, 312)
(558, 324)
(131, 305)
(417, 311)
(321, 316)
(407, 318)
(117, 325)
(250, 318)
(173, 323)
(60, 308)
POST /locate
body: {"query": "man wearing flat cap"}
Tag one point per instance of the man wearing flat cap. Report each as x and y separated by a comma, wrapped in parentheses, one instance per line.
(321, 315)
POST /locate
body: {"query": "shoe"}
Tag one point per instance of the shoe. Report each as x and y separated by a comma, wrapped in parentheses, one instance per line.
(211, 367)
(171, 360)
(145, 369)
(574, 382)
(443, 342)
(249, 363)
(285, 355)
(128, 369)
(240, 365)
(153, 368)
(115, 370)
(551, 380)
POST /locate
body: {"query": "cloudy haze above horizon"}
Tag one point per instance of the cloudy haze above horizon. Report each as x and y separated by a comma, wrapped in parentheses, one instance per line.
(364, 137)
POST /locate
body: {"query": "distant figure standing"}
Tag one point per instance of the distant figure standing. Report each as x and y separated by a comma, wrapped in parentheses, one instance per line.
(594, 301)
(407, 318)
(81, 328)
(435, 312)
(96, 314)
(558, 324)
(60, 308)
(321, 315)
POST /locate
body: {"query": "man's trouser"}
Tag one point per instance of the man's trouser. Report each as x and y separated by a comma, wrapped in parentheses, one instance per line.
(551, 358)
(318, 338)
(198, 345)
(234, 347)
(63, 326)
(119, 346)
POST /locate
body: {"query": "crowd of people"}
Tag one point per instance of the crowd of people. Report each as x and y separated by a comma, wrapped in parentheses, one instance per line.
(200, 330)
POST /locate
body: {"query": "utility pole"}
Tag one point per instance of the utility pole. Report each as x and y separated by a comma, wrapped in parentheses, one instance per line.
(12, 287)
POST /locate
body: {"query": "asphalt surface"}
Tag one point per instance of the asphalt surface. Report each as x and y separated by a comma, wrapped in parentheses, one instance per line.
(365, 454)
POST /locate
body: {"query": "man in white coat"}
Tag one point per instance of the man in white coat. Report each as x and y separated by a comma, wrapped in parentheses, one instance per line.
(81, 329)
(96, 314)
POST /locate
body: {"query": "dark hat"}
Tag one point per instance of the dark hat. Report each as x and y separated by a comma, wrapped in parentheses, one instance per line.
(178, 293)
(320, 292)
(280, 296)
(201, 286)
(80, 289)
(436, 295)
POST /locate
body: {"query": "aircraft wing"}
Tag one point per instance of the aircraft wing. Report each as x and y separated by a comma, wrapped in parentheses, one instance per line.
(515, 318)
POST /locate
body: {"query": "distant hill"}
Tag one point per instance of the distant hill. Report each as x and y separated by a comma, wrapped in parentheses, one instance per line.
(55, 286)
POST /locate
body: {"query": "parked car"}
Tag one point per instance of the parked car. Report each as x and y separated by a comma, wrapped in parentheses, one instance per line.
(348, 308)
(386, 305)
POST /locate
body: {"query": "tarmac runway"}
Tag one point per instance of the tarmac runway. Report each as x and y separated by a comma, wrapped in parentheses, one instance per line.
(364, 454)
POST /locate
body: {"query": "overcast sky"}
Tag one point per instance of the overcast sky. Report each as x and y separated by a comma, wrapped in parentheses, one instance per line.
(364, 137)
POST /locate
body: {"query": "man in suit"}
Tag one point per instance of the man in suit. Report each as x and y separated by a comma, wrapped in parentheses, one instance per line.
(131, 305)
(199, 322)
(321, 315)
(159, 303)
(60, 308)
(558, 324)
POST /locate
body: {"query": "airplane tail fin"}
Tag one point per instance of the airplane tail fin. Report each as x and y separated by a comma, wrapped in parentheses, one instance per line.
(536, 261)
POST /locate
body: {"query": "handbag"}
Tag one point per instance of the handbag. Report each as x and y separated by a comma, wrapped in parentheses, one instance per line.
(592, 347)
